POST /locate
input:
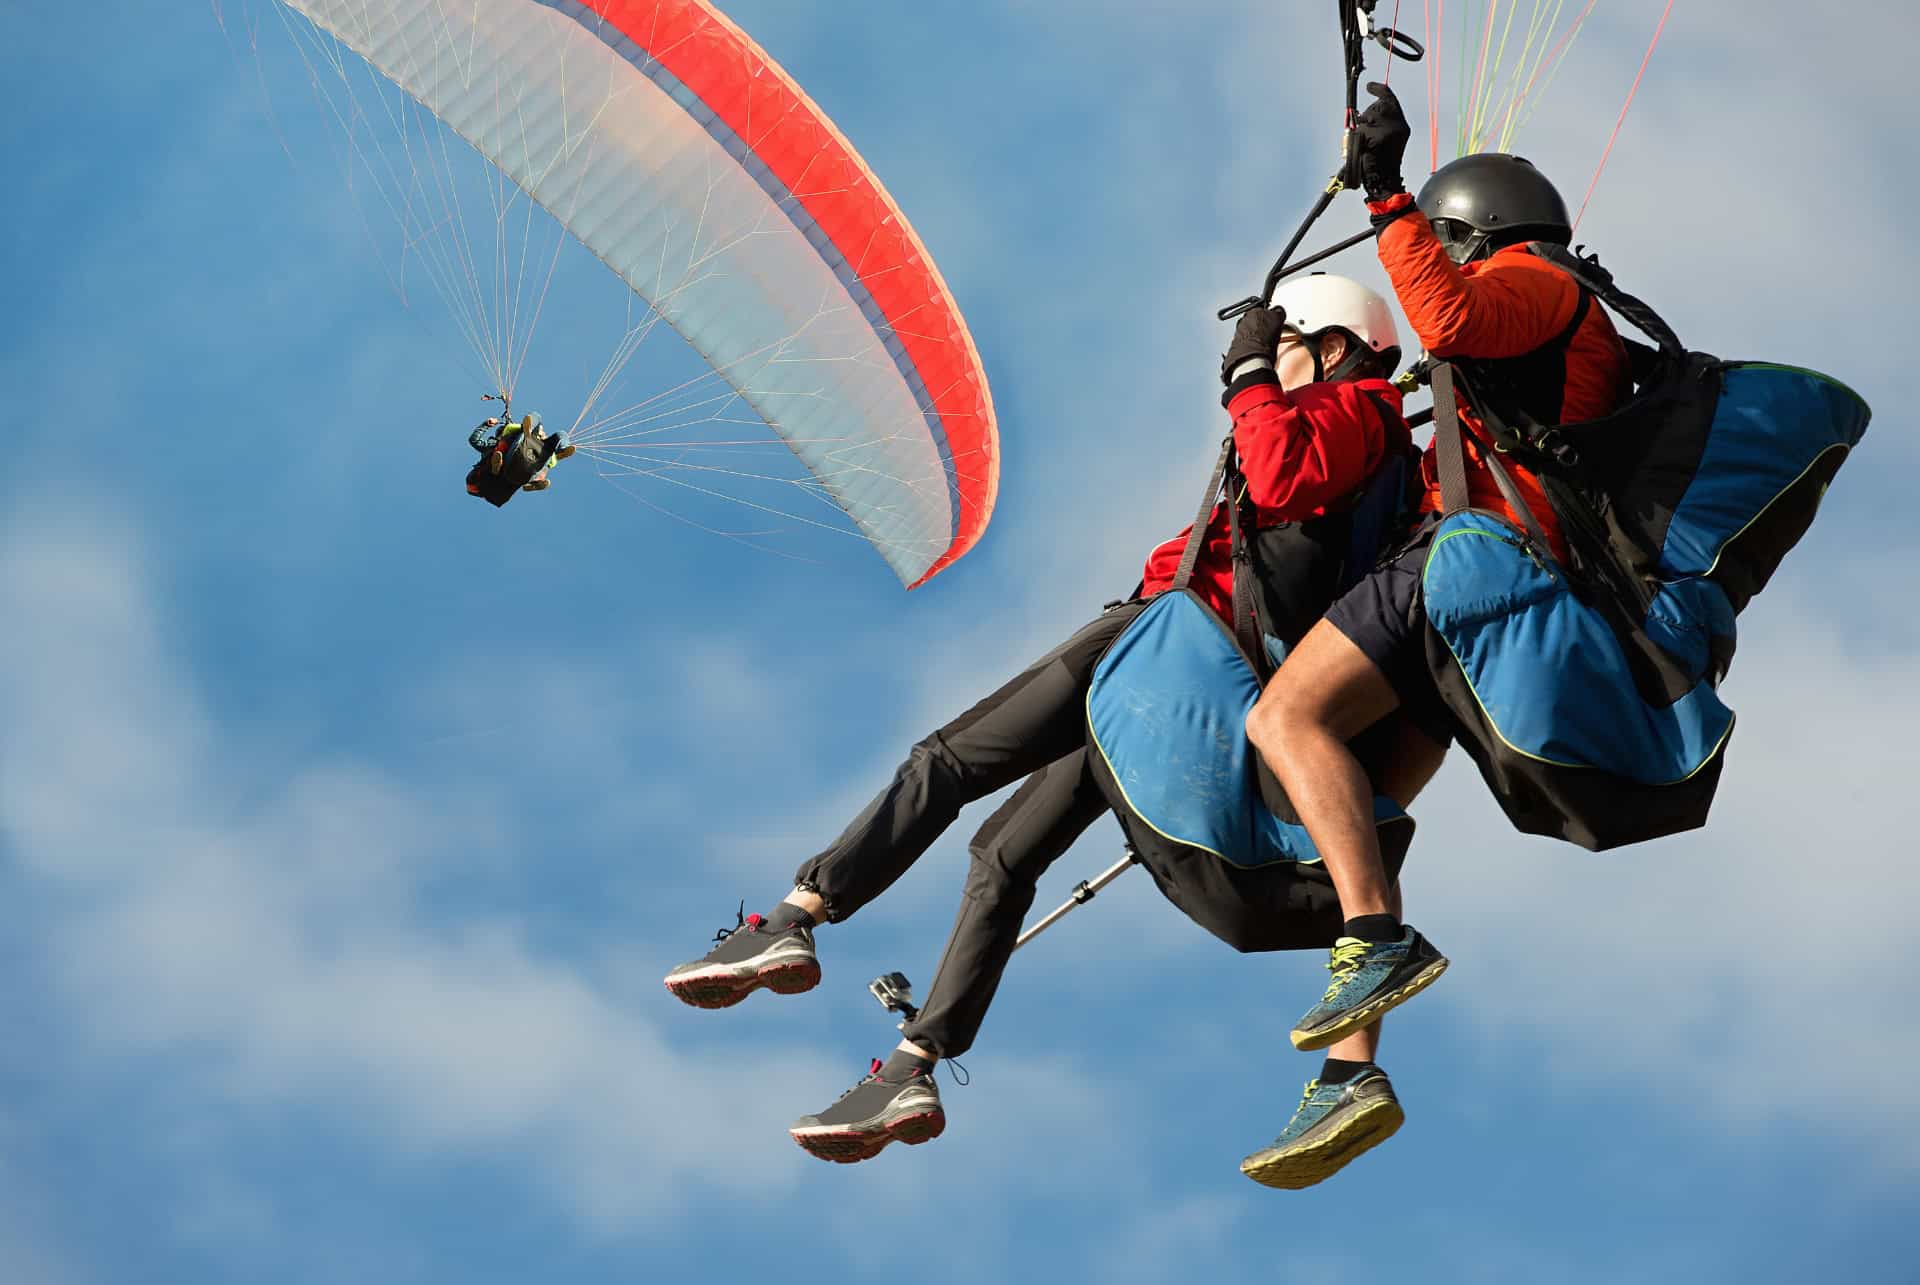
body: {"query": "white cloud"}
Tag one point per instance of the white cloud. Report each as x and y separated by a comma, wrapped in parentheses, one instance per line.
(296, 936)
(1737, 967)
(299, 937)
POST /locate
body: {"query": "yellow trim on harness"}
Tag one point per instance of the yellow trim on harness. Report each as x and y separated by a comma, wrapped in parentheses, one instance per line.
(1721, 552)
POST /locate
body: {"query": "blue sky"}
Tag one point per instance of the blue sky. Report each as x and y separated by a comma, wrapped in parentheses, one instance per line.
(294, 990)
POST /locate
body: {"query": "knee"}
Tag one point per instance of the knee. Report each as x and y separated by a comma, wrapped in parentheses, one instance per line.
(930, 758)
(1279, 712)
(995, 884)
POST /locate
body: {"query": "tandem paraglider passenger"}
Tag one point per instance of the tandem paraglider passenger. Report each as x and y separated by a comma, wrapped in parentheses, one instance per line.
(513, 457)
(1318, 445)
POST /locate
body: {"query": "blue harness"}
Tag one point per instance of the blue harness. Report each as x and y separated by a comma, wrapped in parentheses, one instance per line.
(1587, 693)
(1168, 704)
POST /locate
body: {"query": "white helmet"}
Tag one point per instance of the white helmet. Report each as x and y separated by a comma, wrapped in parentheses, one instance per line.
(1321, 301)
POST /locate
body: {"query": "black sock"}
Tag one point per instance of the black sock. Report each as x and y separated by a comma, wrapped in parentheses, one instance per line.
(1374, 928)
(1338, 1071)
(786, 915)
(900, 1064)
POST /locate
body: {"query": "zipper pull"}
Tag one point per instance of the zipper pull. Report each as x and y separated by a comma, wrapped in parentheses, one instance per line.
(1533, 551)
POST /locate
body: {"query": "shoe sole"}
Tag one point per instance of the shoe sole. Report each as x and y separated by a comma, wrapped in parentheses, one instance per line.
(1369, 1012)
(1293, 1168)
(848, 1146)
(724, 990)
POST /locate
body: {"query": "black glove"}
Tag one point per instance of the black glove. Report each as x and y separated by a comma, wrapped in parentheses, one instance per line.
(1380, 137)
(1257, 335)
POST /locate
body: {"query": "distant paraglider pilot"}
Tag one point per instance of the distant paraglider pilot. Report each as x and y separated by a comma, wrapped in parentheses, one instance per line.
(513, 457)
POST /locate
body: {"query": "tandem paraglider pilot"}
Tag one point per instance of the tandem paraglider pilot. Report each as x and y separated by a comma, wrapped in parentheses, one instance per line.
(513, 457)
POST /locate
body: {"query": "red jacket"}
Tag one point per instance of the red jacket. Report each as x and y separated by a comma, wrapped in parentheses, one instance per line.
(1304, 453)
(1504, 306)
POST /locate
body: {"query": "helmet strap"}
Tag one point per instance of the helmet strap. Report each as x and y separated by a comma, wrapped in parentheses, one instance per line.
(1356, 356)
(1350, 363)
(1474, 248)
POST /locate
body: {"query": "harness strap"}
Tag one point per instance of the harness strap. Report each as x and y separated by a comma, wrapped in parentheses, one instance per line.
(1531, 386)
(1565, 338)
(1597, 280)
(1448, 451)
(1197, 533)
(1452, 457)
(1246, 627)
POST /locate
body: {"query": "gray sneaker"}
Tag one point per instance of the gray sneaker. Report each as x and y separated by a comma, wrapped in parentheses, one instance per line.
(743, 960)
(871, 1114)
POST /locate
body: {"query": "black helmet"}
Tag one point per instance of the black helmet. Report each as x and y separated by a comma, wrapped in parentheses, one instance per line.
(1490, 199)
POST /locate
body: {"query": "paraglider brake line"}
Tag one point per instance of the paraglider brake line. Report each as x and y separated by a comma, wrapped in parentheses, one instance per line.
(1283, 269)
(1356, 28)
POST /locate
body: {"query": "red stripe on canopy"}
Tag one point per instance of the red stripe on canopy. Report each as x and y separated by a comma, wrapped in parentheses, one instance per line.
(790, 134)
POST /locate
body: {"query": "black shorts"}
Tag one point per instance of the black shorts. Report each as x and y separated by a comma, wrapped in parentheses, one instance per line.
(1384, 618)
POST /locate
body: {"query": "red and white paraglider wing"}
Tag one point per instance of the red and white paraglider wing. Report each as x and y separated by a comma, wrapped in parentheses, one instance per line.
(672, 146)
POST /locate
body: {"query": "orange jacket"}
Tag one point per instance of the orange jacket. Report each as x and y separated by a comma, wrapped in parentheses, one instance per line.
(1504, 306)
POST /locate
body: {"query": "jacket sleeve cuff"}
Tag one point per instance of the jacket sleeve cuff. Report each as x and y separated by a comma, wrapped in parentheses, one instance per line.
(1260, 378)
(1385, 211)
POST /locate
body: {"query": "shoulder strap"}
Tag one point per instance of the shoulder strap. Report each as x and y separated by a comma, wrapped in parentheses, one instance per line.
(1580, 310)
(1592, 277)
(1449, 455)
(1448, 431)
(1245, 624)
(1197, 533)
(1226, 472)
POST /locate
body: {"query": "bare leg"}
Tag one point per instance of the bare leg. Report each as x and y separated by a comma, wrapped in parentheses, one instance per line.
(1411, 764)
(1355, 1110)
(1345, 1112)
(1326, 693)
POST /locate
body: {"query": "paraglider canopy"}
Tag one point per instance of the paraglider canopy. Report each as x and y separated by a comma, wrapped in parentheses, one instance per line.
(666, 141)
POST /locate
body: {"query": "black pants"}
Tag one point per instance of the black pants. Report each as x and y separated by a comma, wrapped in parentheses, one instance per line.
(1034, 726)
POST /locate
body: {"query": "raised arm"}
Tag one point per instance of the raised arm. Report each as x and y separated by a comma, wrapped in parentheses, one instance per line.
(1512, 304)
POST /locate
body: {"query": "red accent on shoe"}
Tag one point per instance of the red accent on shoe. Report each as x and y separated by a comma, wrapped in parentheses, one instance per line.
(875, 1068)
(754, 922)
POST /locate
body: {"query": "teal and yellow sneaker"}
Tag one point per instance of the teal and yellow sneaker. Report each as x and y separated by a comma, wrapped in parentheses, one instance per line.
(1368, 979)
(1333, 1124)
